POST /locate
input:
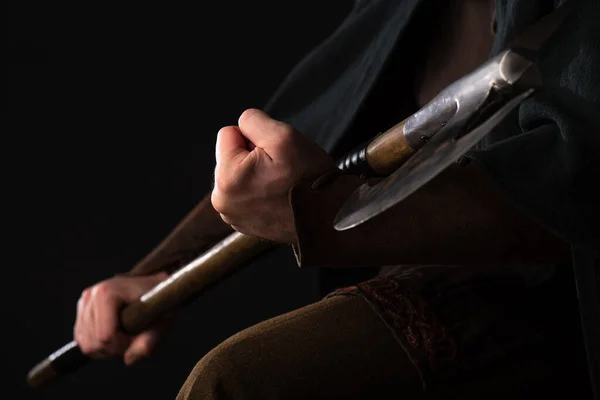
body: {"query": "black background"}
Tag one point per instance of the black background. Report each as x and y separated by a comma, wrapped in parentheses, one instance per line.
(109, 125)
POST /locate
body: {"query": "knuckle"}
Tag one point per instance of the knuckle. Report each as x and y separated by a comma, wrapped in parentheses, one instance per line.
(221, 182)
(285, 137)
(102, 289)
(241, 229)
(226, 183)
(85, 294)
(226, 219)
(286, 132)
(217, 201)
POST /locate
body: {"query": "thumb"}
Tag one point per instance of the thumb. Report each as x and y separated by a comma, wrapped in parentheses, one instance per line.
(134, 287)
(231, 145)
(261, 129)
(141, 346)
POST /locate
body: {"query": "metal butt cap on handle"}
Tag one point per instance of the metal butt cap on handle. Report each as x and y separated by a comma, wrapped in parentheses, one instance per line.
(41, 374)
(64, 360)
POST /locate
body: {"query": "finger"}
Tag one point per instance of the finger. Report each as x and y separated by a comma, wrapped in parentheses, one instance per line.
(87, 338)
(81, 304)
(262, 130)
(144, 343)
(226, 219)
(131, 293)
(106, 321)
(141, 346)
(231, 145)
(241, 230)
(79, 326)
(101, 354)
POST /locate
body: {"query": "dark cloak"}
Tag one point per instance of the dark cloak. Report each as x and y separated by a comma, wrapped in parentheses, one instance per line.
(545, 156)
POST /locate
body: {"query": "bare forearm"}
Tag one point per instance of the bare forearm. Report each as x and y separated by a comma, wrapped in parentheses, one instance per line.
(198, 231)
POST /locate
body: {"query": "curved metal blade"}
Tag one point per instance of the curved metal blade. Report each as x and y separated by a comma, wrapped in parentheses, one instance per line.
(439, 153)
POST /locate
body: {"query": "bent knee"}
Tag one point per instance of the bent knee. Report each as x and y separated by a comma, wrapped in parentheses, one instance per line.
(231, 370)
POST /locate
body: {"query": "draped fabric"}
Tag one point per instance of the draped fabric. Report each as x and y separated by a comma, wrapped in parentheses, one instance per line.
(544, 155)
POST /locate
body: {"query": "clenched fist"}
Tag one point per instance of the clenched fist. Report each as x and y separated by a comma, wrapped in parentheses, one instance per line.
(97, 326)
(258, 161)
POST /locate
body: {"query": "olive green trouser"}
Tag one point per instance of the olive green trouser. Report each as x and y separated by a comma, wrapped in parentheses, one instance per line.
(338, 348)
